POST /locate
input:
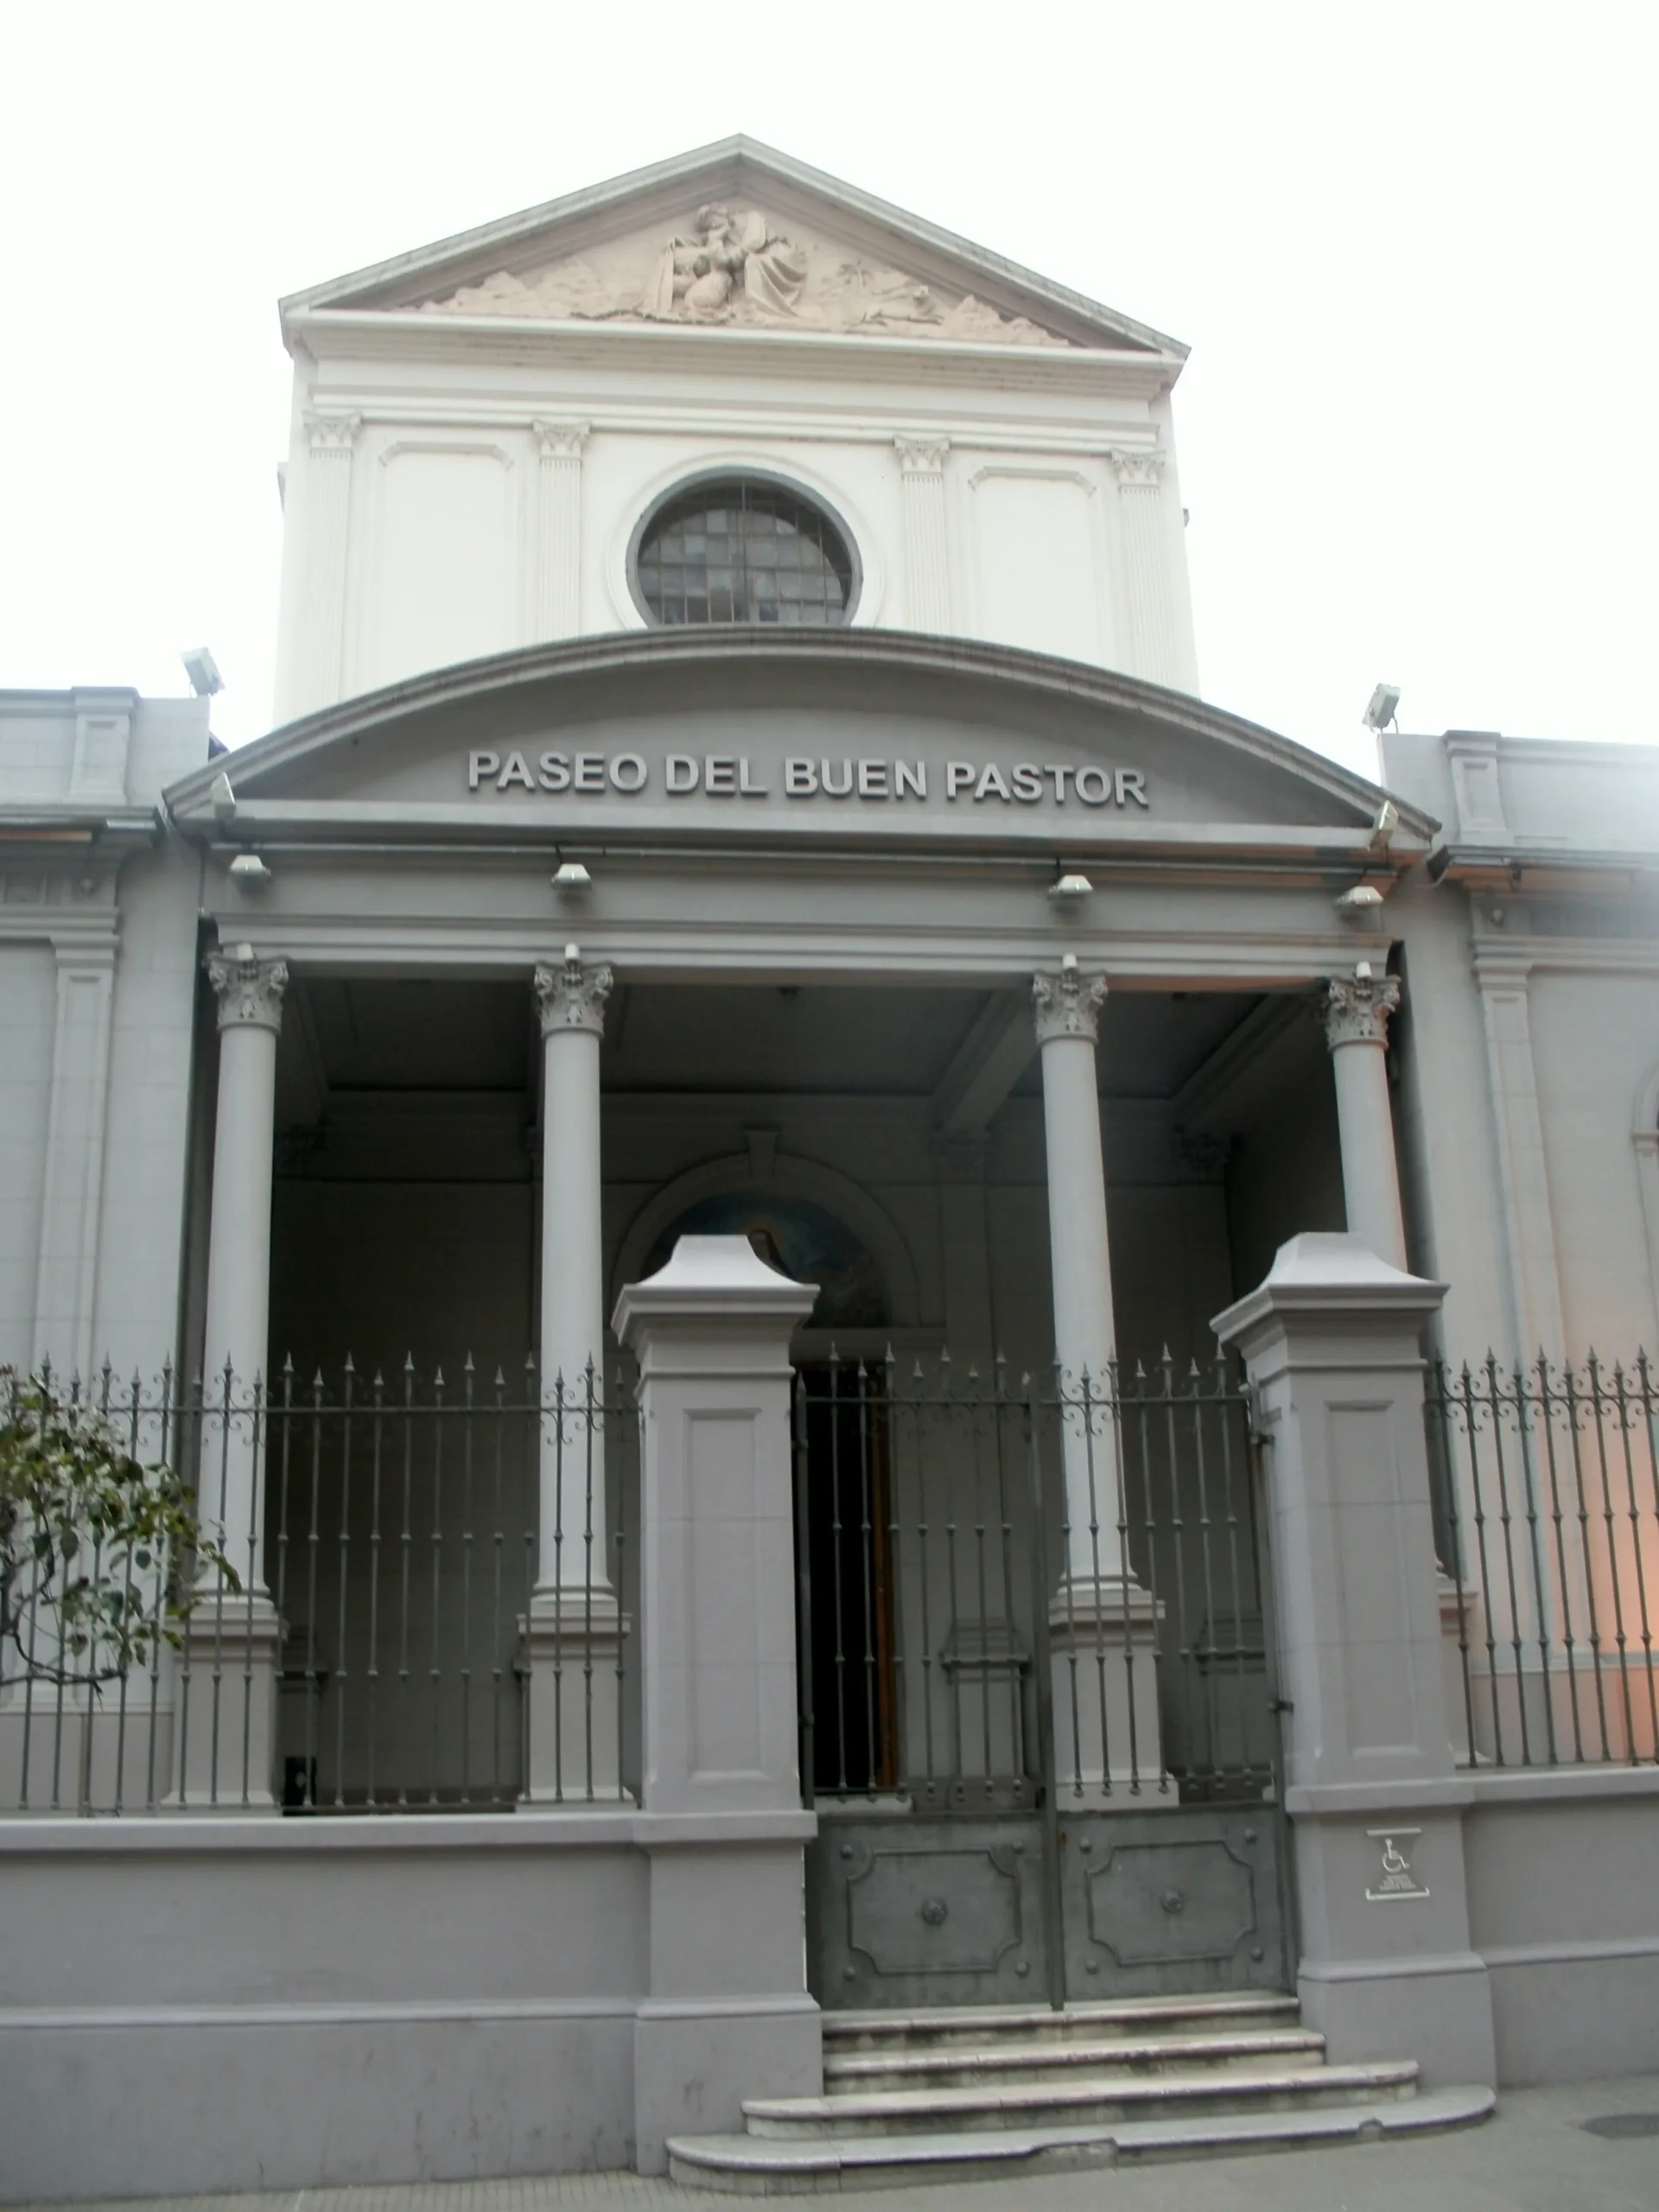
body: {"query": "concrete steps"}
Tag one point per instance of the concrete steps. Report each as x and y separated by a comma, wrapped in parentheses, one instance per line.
(960, 2095)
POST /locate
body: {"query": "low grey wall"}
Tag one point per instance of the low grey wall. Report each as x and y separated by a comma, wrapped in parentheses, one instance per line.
(209, 2004)
(1564, 1908)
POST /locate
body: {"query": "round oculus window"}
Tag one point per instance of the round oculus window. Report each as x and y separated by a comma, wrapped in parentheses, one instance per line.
(738, 548)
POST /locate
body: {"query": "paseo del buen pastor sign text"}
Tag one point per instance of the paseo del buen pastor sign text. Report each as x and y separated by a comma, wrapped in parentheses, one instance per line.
(730, 775)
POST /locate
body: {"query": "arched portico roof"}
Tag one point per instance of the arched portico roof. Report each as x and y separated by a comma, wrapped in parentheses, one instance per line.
(809, 688)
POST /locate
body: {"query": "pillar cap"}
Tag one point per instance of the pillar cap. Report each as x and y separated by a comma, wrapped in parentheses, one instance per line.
(1317, 1273)
(708, 1276)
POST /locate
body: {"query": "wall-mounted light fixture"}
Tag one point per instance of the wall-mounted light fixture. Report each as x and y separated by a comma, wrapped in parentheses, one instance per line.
(1066, 888)
(248, 871)
(570, 879)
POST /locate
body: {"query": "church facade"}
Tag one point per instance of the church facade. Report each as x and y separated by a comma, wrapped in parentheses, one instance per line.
(669, 1153)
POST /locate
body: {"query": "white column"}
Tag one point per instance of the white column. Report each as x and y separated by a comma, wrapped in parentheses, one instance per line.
(558, 555)
(1145, 563)
(574, 1629)
(65, 1282)
(226, 1697)
(927, 571)
(328, 509)
(1103, 1625)
(571, 1002)
(1067, 1009)
(250, 993)
(1356, 1012)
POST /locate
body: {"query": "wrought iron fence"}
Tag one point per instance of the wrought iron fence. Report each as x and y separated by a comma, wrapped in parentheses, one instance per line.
(964, 1628)
(423, 1602)
(1549, 1533)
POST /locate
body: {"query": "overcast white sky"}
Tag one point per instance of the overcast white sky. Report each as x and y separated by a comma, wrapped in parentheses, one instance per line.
(1412, 247)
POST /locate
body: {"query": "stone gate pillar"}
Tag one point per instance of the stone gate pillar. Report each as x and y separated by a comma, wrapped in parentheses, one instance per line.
(727, 2014)
(1330, 1341)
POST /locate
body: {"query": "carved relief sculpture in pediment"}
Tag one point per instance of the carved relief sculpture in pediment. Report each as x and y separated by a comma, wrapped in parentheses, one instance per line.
(732, 267)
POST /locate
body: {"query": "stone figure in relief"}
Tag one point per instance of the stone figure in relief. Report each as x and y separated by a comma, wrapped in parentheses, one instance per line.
(727, 257)
(732, 267)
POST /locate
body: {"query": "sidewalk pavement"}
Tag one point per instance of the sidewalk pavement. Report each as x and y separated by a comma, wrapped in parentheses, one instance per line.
(1590, 2146)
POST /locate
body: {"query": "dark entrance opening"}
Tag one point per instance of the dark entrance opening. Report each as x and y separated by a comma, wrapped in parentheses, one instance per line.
(844, 1525)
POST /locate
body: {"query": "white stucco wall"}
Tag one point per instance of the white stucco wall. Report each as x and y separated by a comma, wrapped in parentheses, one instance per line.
(450, 499)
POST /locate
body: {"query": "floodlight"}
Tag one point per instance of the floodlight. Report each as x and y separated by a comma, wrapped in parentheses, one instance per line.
(571, 877)
(1071, 887)
(203, 672)
(1385, 703)
(1361, 900)
(247, 871)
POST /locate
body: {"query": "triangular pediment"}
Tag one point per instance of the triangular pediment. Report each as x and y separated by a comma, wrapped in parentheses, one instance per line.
(735, 236)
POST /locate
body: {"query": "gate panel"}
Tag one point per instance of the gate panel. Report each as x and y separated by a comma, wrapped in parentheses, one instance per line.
(992, 1832)
(1181, 1903)
(909, 1912)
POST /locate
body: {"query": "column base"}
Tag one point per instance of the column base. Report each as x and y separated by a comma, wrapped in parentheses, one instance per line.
(1104, 1643)
(573, 1646)
(225, 1706)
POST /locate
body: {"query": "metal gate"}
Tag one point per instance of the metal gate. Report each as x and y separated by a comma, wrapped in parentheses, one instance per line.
(1034, 1786)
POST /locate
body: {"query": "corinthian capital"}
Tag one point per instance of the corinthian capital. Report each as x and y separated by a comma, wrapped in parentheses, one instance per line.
(561, 440)
(248, 991)
(922, 456)
(1137, 465)
(571, 997)
(1067, 1005)
(1357, 1007)
(331, 434)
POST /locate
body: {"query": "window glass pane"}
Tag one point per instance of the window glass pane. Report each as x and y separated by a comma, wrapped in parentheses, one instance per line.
(740, 551)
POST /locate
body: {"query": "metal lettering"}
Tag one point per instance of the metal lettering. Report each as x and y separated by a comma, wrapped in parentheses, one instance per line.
(993, 779)
(515, 770)
(800, 778)
(628, 772)
(1100, 785)
(1027, 782)
(749, 788)
(480, 765)
(872, 779)
(554, 771)
(1060, 774)
(1132, 785)
(720, 775)
(958, 777)
(680, 774)
(836, 790)
(590, 772)
(904, 775)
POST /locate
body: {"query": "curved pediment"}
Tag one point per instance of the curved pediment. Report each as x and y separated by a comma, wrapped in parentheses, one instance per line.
(747, 737)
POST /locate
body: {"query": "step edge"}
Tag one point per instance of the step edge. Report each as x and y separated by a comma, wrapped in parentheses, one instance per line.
(1456, 2105)
(1371, 2074)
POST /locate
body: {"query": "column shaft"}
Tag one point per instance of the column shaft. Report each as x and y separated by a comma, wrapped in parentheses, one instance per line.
(1146, 562)
(927, 576)
(571, 1000)
(239, 1252)
(558, 581)
(1357, 1016)
(327, 509)
(1067, 1012)
(66, 1272)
